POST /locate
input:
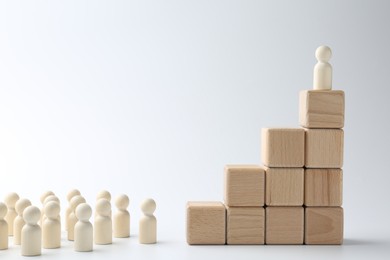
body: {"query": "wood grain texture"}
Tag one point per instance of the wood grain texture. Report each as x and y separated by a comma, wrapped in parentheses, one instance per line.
(245, 225)
(324, 148)
(244, 185)
(284, 225)
(283, 147)
(284, 186)
(206, 223)
(324, 225)
(323, 187)
(321, 109)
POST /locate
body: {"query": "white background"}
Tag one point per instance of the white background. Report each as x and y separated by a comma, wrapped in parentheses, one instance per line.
(153, 98)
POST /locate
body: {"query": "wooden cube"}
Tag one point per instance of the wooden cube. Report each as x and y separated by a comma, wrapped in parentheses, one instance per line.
(324, 148)
(284, 186)
(321, 109)
(283, 147)
(206, 223)
(284, 225)
(324, 225)
(323, 187)
(244, 185)
(245, 225)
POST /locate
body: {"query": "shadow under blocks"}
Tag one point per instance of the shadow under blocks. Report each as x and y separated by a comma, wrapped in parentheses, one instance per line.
(295, 198)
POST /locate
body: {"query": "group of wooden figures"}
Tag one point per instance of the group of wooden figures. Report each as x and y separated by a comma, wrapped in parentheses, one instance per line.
(34, 229)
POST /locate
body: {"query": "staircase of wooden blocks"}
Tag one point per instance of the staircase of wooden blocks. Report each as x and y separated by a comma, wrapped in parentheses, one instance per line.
(296, 197)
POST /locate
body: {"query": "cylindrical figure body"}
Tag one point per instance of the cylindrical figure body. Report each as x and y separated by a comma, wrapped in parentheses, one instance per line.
(3, 234)
(103, 230)
(83, 230)
(148, 230)
(122, 224)
(322, 76)
(51, 233)
(31, 240)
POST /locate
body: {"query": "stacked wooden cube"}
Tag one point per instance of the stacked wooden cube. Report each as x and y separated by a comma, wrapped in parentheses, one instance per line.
(296, 197)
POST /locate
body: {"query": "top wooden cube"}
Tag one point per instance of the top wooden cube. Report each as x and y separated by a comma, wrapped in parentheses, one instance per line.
(283, 147)
(321, 109)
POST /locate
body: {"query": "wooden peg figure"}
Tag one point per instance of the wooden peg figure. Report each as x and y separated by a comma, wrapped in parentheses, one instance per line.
(47, 200)
(51, 226)
(31, 232)
(19, 222)
(323, 70)
(10, 200)
(42, 199)
(122, 217)
(72, 219)
(69, 196)
(3, 227)
(104, 194)
(103, 223)
(83, 230)
(148, 223)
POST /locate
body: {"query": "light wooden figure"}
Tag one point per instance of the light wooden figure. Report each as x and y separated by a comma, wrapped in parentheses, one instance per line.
(31, 232)
(284, 186)
(148, 223)
(51, 226)
(322, 78)
(83, 230)
(103, 223)
(3, 227)
(321, 109)
(19, 222)
(323, 187)
(69, 209)
(47, 200)
(206, 223)
(245, 225)
(283, 147)
(72, 219)
(10, 200)
(104, 194)
(122, 217)
(284, 225)
(324, 148)
(42, 199)
(244, 185)
(324, 225)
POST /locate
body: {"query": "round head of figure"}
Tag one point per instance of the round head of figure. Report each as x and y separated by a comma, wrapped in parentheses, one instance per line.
(21, 205)
(45, 195)
(31, 215)
(51, 198)
(83, 212)
(75, 201)
(323, 53)
(52, 209)
(11, 199)
(103, 207)
(72, 193)
(103, 195)
(3, 210)
(122, 202)
(148, 206)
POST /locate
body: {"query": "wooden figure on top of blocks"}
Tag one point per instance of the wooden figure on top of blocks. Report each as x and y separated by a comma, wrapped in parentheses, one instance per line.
(322, 79)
